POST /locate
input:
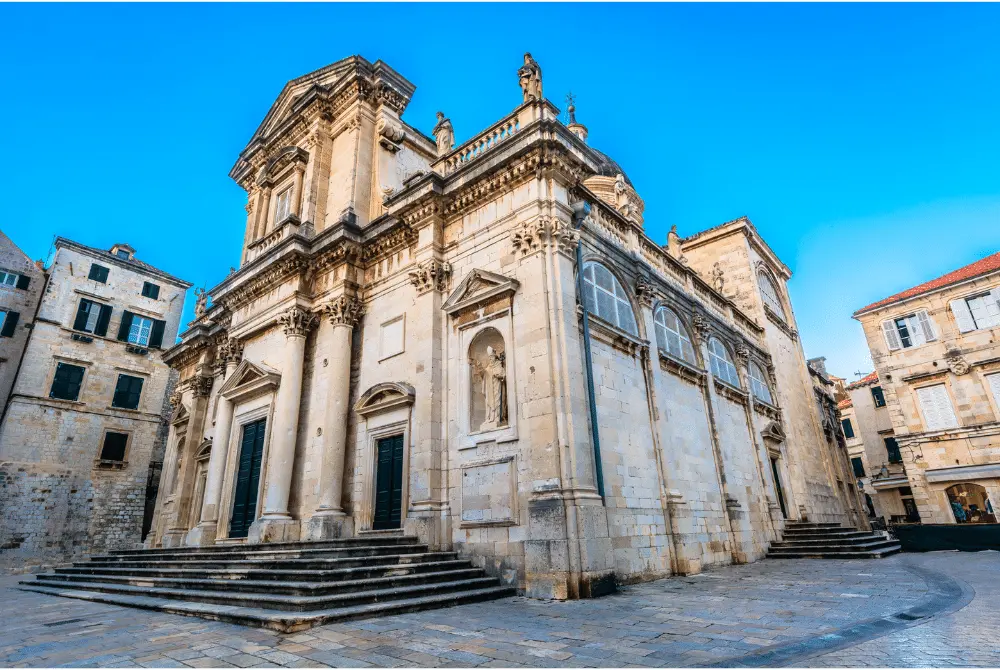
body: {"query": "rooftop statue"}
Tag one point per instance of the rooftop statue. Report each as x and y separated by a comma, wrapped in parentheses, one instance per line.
(444, 134)
(530, 77)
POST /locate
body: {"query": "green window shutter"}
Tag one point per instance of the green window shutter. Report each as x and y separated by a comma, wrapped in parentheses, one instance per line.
(9, 324)
(156, 336)
(67, 381)
(127, 392)
(114, 445)
(125, 326)
(103, 319)
(150, 290)
(98, 273)
(82, 313)
(23, 281)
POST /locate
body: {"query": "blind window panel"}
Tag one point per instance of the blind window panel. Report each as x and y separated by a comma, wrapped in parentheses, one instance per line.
(935, 404)
(985, 311)
(994, 383)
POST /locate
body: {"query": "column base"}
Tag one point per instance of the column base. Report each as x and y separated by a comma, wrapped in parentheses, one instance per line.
(173, 538)
(202, 535)
(328, 525)
(280, 529)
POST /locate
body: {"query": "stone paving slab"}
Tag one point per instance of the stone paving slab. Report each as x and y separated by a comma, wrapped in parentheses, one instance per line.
(719, 616)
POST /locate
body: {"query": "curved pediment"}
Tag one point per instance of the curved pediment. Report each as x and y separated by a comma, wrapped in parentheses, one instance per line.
(249, 379)
(385, 396)
(283, 158)
(478, 287)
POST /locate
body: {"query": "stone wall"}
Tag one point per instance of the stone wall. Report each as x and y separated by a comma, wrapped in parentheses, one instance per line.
(22, 301)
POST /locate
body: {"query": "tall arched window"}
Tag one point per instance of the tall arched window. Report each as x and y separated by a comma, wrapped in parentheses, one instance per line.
(672, 336)
(605, 297)
(758, 384)
(722, 363)
(769, 293)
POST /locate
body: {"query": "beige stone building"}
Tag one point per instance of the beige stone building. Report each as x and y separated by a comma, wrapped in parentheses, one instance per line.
(937, 358)
(84, 416)
(21, 286)
(408, 345)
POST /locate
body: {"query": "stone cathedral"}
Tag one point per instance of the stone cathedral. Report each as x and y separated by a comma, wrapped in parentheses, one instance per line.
(479, 346)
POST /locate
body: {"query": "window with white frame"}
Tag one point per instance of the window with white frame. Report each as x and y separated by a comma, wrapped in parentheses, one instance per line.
(140, 330)
(985, 310)
(935, 405)
(908, 331)
(671, 335)
(283, 205)
(758, 384)
(722, 363)
(769, 292)
(993, 381)
(8, 278)
(604, 297)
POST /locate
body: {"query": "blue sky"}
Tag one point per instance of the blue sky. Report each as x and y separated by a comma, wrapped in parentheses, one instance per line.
(861, 139)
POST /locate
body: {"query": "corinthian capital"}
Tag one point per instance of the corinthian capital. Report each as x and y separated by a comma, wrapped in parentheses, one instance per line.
(231, 350)
(743, 354)
(702, 327)
(430, 275)
(297, 322)
(344, 311)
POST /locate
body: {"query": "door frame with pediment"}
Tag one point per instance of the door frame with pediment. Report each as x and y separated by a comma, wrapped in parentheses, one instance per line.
(384, 410)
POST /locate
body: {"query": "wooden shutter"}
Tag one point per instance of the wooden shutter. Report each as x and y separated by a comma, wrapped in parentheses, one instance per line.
(926, 326)
(9, 324)
(82, 312)
(150, 290)
(127, 392)
(963, 317)
(156, 335)
(23, 281)
(103, 319)
(891, 335)
(126, 326)
(995, 294)
(936, 407)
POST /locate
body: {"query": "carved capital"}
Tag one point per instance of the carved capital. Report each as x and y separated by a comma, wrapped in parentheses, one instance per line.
(174, 399)
(702, 327)
(743, 354)
(531, 236)
(564, 237)
(201, 386)
(645, 292)
(230, 350)
(431, 275)
(297, 322)
(344, 311)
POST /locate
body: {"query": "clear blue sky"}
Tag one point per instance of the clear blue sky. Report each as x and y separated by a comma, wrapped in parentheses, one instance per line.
(862, 140)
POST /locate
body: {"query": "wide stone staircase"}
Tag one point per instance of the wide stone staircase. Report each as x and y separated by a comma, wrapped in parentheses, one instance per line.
(285, 587)
(830, 540)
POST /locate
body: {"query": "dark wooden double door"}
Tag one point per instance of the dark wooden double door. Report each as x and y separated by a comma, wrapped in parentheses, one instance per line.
(247, 478)
(389, 483)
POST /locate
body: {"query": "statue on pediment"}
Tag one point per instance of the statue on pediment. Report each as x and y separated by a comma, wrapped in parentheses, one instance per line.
(444, 134)
(530, 77)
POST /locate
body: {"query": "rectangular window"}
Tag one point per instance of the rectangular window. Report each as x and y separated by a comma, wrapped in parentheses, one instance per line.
(127, 392)
(140, 330)
(935, 404)
(121, 253)
(8, 278)
(66, 384)
(848, 428)
(98, 273)
(877, 396)
(985, 310)
(993, 381)
(908, 331)
(92, 317)
(892, 449)
(8, 323)
(283, 205)
(150, 290)
(859, 466)
(114, 446)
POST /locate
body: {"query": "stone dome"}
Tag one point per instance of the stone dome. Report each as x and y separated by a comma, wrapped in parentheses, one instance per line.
(609, 167)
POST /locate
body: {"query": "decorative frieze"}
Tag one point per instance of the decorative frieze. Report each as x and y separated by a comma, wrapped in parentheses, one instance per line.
(344, 311)
(430, 275)
(532, 236)
(297, 322)
(264, 281)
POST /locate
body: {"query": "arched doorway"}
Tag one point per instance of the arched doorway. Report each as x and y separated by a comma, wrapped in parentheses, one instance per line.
(970, 504)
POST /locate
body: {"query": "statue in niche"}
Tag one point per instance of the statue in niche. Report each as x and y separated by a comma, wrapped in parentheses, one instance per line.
(530, 77)
(488, 370)
(444, 134)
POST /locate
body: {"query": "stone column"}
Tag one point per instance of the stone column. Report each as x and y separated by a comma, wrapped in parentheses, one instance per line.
(297, 190)
(177, 525)
(276, 524)
(206, 531)
(329, 520)
(265, 207)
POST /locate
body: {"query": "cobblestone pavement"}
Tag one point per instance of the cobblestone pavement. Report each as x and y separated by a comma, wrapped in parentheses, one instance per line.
(731, 615)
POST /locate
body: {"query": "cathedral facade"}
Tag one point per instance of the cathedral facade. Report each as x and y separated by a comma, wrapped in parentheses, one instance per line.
(479, 346)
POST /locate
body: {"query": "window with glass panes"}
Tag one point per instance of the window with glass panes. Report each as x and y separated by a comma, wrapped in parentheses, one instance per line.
(283, 205)
(604, 297)
(671, 335)
(769, 293)
(758, 384)
(139, 332)
(985, 310)
(8, 278)
(722, 363)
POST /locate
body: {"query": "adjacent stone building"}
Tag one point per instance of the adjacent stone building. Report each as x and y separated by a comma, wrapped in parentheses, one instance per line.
(21, 286)
(480, 346)
(936, 349)
(84, 416)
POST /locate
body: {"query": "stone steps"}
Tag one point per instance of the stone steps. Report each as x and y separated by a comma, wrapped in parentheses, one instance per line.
(811, 540)
(285, 587)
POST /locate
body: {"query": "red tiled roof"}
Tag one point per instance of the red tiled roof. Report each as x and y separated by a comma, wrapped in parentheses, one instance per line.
(982, 266)
(845, 403)
(870, 378)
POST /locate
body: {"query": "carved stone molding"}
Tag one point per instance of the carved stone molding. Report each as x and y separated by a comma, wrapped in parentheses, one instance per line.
(431, 275)
(231, 350)
(391, 134)
(266, 279)
(344, 311)
(702, 327)
(297, 322)
(957, 363)
(532, 236)
(174, 399)
(743, 354)
(645, 293)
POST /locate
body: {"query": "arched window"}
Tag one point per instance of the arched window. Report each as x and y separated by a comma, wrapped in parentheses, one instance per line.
(722, 363)
(769, 292)
(758, 384)
(672, 336)
(605, 297)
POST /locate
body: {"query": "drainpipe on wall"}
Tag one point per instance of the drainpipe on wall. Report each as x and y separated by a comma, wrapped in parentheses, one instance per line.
(580, 211)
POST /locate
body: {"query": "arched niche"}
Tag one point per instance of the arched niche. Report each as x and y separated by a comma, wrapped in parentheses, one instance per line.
(489, 400)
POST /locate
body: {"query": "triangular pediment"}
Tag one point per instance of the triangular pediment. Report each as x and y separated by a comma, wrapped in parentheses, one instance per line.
(477, 287)
(250, 378)
(180, 414)
(773, 432)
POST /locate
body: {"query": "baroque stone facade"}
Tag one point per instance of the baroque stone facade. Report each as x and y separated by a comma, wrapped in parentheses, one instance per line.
(937, 362)
(408, 344)
(84, 418)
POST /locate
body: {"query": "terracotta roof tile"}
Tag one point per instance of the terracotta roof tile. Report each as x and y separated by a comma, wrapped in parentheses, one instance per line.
(982, 266)
(845, 403)
(870, 378)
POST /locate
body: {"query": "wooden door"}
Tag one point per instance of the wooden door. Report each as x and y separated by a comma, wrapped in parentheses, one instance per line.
(389, 483)
(777, 488)
(247, 479)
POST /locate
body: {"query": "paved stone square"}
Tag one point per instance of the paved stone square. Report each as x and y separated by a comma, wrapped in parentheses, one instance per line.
(795, 612)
